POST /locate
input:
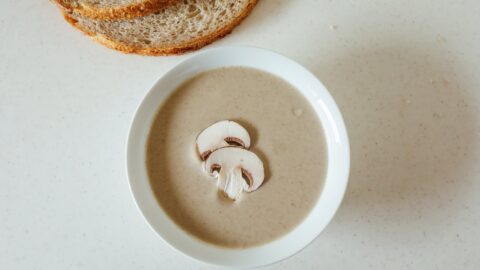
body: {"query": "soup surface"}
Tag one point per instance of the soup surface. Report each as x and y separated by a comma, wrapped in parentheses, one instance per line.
(285, 133)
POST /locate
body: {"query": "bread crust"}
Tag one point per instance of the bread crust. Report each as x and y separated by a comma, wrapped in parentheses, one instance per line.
(121, 12)
(164, 51)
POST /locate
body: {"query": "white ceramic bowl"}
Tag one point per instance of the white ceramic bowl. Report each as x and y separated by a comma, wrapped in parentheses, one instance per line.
(337, 145)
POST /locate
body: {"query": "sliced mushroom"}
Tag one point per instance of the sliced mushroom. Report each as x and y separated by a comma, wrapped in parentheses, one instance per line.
(221, 134)
(236, 170)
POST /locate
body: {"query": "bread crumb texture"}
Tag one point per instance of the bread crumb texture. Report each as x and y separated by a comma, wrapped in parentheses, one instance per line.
(176, 28)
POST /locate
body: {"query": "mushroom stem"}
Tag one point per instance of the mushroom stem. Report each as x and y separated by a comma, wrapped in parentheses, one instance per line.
(231, 183)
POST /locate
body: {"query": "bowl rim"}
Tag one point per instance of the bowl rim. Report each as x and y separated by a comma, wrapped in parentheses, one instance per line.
(334, 117)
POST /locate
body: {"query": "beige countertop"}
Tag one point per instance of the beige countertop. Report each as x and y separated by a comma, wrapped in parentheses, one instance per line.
(404, 73)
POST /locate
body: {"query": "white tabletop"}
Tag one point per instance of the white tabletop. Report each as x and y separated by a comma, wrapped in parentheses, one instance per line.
(404, 73)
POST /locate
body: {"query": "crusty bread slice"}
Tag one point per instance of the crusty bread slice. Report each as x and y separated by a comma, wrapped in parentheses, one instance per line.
(176, 28)
(112, 9)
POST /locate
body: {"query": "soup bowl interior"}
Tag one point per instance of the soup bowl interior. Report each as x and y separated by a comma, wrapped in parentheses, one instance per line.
(335, 136)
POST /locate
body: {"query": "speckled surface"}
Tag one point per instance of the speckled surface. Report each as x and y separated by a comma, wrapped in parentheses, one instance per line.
(404, 75)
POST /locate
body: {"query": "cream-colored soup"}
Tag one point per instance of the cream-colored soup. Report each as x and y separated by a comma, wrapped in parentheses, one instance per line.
(286, 134)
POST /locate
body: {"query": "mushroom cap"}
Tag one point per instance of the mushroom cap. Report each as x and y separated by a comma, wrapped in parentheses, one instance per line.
(221, 134)
(238, 164)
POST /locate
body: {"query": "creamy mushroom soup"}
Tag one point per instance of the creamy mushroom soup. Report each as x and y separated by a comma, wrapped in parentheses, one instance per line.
(286, 137)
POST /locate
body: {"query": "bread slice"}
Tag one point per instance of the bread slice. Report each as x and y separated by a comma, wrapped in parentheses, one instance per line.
(176, 28)
(112, 9)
